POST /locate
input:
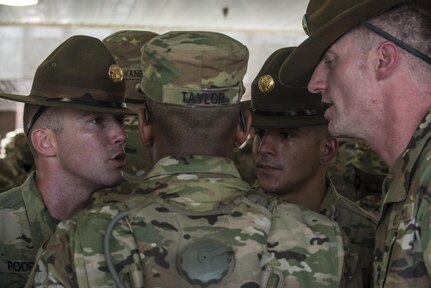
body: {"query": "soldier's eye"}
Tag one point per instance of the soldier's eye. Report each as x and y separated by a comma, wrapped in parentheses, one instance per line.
(96, 120)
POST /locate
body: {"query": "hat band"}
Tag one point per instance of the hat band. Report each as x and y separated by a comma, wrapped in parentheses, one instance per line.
(308, 112)
(397, 41)
(33, 119)
(89, 101)
(135, 101)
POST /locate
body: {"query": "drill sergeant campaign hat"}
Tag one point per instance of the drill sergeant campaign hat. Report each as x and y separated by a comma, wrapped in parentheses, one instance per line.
(79, 74)
(277, 106)
(327, 20)
(194, 69)
(125, 46)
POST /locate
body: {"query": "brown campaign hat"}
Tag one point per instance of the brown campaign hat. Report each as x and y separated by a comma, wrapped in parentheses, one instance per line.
(80, 73)
(278, 106)
(325, 21)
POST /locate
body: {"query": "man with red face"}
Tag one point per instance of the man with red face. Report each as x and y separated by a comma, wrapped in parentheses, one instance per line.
(370, 61)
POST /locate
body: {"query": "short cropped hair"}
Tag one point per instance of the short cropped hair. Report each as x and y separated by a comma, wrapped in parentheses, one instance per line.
(51, 118)
(194, 126)
(409, 23)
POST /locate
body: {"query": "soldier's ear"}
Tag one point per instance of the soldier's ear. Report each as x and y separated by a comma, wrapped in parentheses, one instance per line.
(329, 149)
(145, 128)
(387, 59)
(243, 127)
(44, 141)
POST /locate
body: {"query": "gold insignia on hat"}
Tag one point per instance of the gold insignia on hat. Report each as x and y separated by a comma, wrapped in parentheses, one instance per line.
(115, 73)
(266, 84)
(305, 25)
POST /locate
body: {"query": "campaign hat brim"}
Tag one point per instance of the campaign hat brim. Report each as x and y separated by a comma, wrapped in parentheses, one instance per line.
(92, 106)
(300, 64)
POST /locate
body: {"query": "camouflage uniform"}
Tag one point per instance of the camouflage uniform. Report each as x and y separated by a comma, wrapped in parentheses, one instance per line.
(198, 199)
(359, 227)
(276, 107)
(17, 162)
(86, 82)
(370, 172)
(358, 174)
(403, 238)
(196, 224)
(24, 225)
(341, 170)
(243, 160)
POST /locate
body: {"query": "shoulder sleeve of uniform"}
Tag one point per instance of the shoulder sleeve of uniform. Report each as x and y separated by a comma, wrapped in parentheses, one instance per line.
(305, 246)
(54, 262)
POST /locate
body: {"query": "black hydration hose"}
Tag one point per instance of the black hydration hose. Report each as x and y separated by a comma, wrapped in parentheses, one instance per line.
(107, 249)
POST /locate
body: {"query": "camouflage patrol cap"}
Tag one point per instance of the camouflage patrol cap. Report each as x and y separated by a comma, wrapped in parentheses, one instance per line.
(193, 68)
(324, 22)
(80, 74)
(125, 46)
(275, 105)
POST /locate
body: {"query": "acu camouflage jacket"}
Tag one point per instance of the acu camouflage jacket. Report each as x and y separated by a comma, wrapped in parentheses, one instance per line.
(25, 225)
(403, 237)
(359, 227)
(197, 225)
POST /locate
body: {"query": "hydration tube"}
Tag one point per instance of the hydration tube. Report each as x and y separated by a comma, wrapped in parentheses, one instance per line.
(107, 249)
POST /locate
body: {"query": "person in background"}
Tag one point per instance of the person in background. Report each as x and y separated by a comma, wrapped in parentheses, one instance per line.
(371, 62)
(125, 46)
(16, 160)
(369, 172)
(73, 120)
(193, 221)
(292, 150)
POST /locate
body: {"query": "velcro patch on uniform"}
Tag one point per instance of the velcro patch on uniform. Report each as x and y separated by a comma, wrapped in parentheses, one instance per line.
(400, 216)
(16, 266)
(200, 97)
(132, 74)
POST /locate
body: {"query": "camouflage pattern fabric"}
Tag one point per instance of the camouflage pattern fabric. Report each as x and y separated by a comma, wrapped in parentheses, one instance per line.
(358, 174)
(341, 170)
(17, 160)
(359, 227)
(195, 202)
(7, 176)
(403, 237)
(371, 203)
(203, 69)
(24, 225)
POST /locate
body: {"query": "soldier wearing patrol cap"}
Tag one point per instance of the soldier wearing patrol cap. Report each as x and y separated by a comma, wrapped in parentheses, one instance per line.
(73, 120)
(292, 150)
(200, 226)
(125, 46)
(371, 62)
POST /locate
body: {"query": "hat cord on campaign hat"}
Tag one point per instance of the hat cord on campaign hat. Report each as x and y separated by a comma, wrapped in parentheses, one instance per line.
(397, 41)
